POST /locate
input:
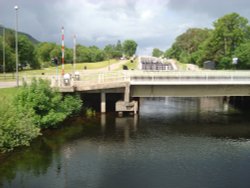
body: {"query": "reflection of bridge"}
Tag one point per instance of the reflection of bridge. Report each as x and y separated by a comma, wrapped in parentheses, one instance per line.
(157, 84)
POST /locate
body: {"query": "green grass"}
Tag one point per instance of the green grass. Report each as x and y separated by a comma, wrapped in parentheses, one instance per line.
(7, 93)
(131, 66)
(52, 70)
(181, 66)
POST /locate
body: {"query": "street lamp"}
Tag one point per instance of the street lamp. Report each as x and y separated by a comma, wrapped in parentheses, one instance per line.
(17, 78)
(74, 55)
(3, 50)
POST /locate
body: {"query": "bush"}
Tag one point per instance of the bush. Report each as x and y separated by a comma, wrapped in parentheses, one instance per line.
(16, 128)
(47, 106)
(89, 112)
(34, 107)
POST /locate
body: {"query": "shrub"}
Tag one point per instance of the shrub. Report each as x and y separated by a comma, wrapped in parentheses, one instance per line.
(16, 128)
(47, 106)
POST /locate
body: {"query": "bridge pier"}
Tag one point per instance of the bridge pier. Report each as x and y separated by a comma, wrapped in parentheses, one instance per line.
(103, 102)
(127, 105)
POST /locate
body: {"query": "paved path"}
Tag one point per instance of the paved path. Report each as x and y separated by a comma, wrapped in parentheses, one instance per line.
(7, 84)
(112, 67)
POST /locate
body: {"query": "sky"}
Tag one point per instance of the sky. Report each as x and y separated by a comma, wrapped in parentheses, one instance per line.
(151, 23)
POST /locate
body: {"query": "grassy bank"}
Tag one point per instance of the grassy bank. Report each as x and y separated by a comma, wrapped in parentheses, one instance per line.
(53, 69)
(8, 93)
(130, 65)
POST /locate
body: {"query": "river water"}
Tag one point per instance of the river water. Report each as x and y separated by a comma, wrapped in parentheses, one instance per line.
(174, 142)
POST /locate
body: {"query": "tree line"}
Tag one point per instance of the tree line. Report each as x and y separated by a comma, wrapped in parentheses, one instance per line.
(229, 38)
(38, 55)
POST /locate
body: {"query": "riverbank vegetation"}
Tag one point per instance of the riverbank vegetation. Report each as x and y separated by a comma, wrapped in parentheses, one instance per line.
(230, 38)
(33, 108)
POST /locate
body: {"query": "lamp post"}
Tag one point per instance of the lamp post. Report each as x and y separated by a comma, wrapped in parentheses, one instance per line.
(74, 55)
(4, 51)
(16, 36)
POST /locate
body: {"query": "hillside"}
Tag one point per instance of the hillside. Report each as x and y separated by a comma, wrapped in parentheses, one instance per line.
(34, 41)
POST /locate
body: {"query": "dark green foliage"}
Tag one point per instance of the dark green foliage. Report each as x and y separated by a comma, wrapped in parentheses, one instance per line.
(187, 44)
(227, 40)
(243, 54)
(9, 57)
(26, 51)
(35, 106)
(16, 127)
(113, 51)
(157, 52)
(129, 47)
(47, 106)
(38, 55)
(230, 32)
(89, 54)
(45, 49)
(27, 55)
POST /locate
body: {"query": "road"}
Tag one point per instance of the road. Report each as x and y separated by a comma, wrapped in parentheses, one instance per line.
(7, 84)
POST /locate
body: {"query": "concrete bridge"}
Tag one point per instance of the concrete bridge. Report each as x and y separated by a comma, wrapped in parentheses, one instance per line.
(135, 84)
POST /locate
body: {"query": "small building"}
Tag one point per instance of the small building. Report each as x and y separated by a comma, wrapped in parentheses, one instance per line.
(209, 65)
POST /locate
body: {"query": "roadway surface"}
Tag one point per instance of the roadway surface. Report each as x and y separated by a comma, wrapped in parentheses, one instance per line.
(7, 84)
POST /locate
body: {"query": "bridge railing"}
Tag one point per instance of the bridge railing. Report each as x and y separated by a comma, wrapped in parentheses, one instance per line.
(189, 76)
(92, 77)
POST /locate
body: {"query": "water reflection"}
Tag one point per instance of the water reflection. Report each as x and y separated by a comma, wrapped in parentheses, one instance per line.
(173, 142)
(34, 161)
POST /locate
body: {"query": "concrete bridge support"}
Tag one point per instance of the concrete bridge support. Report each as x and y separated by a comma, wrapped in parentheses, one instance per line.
(103, 102)
(127, 105)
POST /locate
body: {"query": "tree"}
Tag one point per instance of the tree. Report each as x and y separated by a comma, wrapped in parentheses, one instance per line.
(113, 51)
(27, 55)
(187, 44)
(9, 57)
(95, 54)
(230, 32)
(56, 52)
(157, 52)
(242, 53)
(82, 53)
(44, 49)
(109, 51)
(129, 47)
(118, 49)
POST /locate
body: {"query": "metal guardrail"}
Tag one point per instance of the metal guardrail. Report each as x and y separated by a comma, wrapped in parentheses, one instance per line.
(90, 78)
(7, 77)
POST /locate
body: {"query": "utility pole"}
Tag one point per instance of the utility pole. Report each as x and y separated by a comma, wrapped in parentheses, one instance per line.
(62, 51)
(4, 51)
(74, 55)
(17, 63)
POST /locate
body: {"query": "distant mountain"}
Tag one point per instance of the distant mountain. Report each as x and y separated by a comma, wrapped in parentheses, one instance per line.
(32, 39)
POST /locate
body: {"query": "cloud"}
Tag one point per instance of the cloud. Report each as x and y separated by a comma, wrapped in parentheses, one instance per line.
(152, 23)
(211, 8)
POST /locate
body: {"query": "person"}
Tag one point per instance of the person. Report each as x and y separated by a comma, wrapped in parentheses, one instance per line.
(77, 75)
(66, 78)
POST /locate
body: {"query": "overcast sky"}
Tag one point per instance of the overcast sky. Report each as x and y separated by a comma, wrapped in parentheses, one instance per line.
(151, 23)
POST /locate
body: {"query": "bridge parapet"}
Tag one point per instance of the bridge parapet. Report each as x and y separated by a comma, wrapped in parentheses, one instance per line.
(188, 77)
(155, 77)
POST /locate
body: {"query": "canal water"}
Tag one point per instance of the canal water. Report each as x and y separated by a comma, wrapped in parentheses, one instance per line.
(174, 142)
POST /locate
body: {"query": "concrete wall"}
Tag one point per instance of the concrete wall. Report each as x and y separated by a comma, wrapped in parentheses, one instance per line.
(189, 90)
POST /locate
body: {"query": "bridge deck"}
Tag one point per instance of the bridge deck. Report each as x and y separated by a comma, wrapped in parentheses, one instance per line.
(119, 79)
